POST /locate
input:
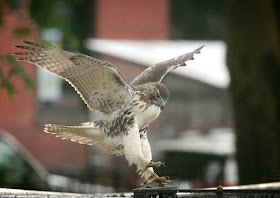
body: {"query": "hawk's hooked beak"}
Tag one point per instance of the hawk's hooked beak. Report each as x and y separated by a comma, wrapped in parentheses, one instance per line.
(160, 103)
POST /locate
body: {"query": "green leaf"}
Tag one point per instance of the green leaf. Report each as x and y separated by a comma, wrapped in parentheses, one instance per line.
(7, 58)
(1, 17)
(28, 82)
(6, 84)
(16, 70)
(20, 32)
(9, 87)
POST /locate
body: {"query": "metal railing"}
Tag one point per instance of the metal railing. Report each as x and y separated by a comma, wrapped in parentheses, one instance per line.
(17, 193)
(271, 190)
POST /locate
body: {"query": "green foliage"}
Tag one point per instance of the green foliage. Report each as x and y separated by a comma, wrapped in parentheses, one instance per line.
(197, 19)
(61, 14)
(21, 32)
(15, 70)
(7, 60)
(56, 14)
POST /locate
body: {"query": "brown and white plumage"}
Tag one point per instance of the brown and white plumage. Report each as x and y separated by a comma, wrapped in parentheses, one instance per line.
(155, 73)
(89, 76)
(129, 108)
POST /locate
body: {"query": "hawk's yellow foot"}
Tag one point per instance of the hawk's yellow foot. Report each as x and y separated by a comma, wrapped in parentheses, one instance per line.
(156, 164)
(153, 164)
(161, 180)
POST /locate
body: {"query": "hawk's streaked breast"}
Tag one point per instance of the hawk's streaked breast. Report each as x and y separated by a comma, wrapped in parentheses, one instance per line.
(145, 113)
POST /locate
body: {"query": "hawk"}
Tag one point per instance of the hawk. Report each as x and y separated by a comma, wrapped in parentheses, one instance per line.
(129, 108)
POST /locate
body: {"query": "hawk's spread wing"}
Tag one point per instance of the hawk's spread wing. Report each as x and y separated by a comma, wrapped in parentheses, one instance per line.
(99, 83)
(156, 72)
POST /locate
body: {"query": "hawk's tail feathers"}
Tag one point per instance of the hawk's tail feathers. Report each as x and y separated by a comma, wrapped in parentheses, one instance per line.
(85, 134)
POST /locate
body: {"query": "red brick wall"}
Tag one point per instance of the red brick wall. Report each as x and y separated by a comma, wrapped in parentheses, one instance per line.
(131, 19)
(18, 114)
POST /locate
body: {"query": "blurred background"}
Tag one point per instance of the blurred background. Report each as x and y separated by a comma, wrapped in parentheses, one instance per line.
(220, 126)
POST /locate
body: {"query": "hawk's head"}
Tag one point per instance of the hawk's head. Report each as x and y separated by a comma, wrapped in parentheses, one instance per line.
(153, 93)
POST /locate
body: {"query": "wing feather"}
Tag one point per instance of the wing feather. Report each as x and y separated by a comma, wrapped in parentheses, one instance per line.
(98, 83)
(156, 72)
(82, 134)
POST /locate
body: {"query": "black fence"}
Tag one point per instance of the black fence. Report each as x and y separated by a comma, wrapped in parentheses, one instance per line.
(251, 191)
(172, 192)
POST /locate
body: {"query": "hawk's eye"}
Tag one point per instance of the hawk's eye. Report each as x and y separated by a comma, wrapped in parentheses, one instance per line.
(154, 97)
(158, 95)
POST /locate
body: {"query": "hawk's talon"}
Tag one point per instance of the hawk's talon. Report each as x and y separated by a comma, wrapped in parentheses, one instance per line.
(161, 180)
(156, 164)
(153, 164)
